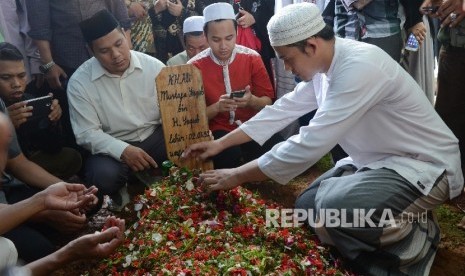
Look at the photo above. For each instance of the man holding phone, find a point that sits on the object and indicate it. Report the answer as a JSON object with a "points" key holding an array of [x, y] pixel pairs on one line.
{"points": [[236, 83], [21, 179], [38, 127]]}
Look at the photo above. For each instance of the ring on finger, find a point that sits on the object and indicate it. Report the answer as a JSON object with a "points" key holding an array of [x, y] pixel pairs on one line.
{"points": [[453, 16]]}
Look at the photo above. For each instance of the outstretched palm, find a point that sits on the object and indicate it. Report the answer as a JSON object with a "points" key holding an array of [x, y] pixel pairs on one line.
{"points": [[66, 196]]}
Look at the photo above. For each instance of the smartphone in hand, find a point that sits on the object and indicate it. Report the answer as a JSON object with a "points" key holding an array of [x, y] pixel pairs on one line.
{"points": [[412, 43], [41, 107], [237, 94]]}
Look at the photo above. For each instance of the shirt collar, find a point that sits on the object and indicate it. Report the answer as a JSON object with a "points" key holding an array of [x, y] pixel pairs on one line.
{"points": [[217, 61], [98, 70], [337, 41]]}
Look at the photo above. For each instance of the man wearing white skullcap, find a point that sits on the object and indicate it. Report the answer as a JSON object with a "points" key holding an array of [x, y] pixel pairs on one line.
{"points": [[194, 40], [404, 161], [227, 67]]}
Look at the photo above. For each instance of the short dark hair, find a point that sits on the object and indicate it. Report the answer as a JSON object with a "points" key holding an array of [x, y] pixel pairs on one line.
{"points": [[205, 26], [327, 33], [199, 33], [9, 52]]}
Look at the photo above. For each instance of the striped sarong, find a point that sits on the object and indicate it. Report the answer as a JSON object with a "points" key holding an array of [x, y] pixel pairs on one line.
{"points": [[389, 226]]}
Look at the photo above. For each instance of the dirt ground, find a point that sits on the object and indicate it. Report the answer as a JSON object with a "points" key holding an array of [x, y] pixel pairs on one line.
{"points": [[450, 259]]}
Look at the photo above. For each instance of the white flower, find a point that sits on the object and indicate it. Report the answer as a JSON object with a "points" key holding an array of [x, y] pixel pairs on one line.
{"points": [[128, 261], [210, 222], [188, 222], [156, 237], [189, 185], [135, 225], [134, 255], [131, 247], [306, 262], [138, 206]]}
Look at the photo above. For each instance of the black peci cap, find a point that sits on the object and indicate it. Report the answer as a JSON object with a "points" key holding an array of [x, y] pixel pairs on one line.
{"points": [[100, 24]]}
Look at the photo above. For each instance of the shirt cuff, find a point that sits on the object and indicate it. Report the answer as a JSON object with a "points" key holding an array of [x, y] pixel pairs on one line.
{"points": [[265, 164], [254, 133], [116, 148], [40, 35]]}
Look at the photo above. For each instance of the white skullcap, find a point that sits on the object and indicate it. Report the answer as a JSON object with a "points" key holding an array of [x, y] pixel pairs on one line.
{"points": [[193, 24], [294, 23], [218, 11]]}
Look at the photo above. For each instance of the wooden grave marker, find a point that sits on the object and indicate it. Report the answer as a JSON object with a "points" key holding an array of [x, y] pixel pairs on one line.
{"points": [[183, 112]]}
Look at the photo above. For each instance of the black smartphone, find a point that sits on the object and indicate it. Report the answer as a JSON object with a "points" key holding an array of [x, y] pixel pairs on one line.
{"points": [[238, 94], [41, 107], [432, 9]]}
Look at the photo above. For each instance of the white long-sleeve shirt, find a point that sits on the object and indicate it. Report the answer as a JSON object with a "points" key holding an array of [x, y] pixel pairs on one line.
{"points": [[107, 110], [370, 106]]}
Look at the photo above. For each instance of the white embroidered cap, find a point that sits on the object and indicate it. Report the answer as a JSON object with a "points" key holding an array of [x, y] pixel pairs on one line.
{"points": [[193, 24], [218, 11], [294, 23]]}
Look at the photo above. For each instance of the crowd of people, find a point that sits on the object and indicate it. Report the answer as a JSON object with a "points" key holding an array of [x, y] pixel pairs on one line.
{"points": [[285, 83]]}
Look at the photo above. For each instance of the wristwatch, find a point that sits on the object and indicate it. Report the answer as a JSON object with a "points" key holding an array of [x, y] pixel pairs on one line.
{"points": [[45, 68]]}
